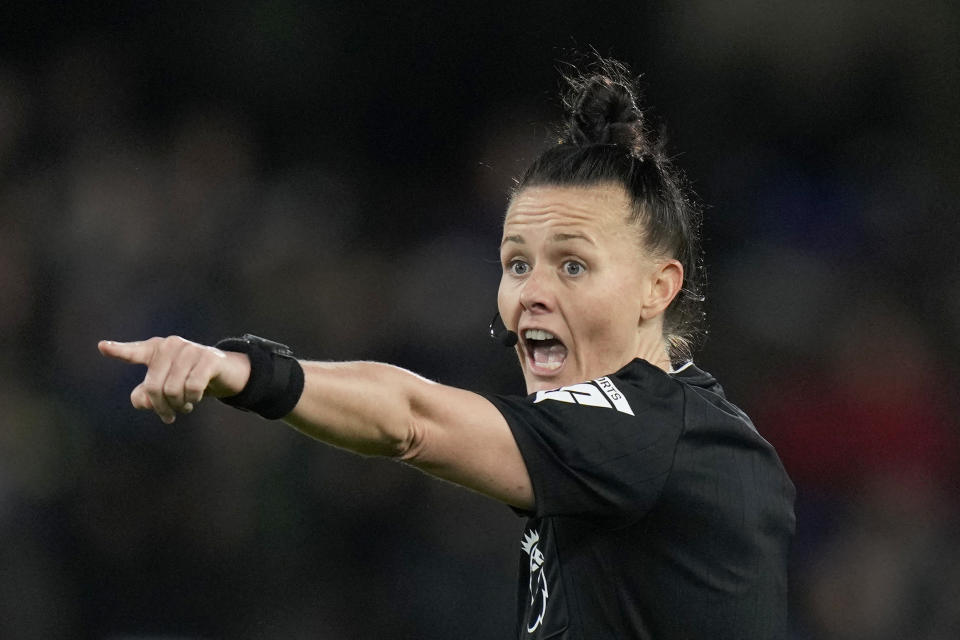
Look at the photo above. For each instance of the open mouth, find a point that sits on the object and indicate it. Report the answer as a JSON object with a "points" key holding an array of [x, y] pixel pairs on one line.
{"points": [[545, 351]]}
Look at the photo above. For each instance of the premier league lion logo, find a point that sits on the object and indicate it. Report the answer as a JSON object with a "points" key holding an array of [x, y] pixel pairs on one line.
{"points": [[537, 582]]}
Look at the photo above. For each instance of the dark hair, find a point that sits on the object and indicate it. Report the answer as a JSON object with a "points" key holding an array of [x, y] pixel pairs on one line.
{"points": [[605, 140]]}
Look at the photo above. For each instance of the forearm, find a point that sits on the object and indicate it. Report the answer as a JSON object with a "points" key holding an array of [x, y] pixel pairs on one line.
{"points": [[365, 407]]}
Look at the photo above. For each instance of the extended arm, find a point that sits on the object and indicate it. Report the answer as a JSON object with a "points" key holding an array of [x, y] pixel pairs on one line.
{"points": [[365, 407]]}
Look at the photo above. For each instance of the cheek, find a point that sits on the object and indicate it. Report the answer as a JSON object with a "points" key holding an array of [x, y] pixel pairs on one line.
{"points": [[608, 322], [505, 300], [596, 321]]}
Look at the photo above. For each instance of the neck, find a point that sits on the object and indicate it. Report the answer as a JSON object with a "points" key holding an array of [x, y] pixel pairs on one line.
{"points": [[662, 360], [654, 349]]}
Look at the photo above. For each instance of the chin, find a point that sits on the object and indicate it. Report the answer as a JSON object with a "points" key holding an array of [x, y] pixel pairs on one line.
{"points": [[536, 382]]}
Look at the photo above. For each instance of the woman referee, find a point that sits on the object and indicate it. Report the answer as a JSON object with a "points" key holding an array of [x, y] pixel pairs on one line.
{"points": [[655, 509]]}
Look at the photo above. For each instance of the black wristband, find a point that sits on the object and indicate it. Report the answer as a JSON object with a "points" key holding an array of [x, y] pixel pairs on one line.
{"points": [[276, 377]]}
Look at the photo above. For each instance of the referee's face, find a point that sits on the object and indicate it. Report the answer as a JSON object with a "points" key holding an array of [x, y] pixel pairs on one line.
{"points": [[578, 287]]}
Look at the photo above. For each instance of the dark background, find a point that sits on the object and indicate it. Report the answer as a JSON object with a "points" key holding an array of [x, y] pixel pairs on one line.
{"points": [[334, 176]]}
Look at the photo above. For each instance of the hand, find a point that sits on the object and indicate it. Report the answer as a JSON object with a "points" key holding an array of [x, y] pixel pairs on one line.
{"points": [[179, 373]]}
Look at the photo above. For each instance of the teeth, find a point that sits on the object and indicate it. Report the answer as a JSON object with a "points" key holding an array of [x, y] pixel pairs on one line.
{"points": [[538, 334]]}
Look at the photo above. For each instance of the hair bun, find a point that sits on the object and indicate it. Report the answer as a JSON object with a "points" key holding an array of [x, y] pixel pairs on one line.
{"points": [[603, 110]]}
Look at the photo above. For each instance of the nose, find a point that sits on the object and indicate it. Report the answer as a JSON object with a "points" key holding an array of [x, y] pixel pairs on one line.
{"points": [[536, 296]]}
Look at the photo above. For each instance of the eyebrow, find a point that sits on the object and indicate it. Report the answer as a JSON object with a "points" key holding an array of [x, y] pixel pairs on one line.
{"points": [[558, 237], [564, 237]]}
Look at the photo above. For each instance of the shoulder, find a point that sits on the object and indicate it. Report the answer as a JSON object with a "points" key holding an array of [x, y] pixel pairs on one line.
{"points": [[626, 391], [600, 447], [707, 406], [721, 443]]}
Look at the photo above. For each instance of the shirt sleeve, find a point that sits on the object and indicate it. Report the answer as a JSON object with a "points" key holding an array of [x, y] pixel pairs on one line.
{"points": [[595, 460]]}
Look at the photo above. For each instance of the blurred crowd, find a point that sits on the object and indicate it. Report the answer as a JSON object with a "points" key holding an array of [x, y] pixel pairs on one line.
{"points": [[334, 178]]}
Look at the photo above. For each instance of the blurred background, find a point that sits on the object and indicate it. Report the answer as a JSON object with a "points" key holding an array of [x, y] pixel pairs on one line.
{"points": [[334, 175]]}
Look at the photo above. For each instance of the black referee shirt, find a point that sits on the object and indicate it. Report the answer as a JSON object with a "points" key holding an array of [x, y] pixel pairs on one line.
{"points": [[660, 512]]}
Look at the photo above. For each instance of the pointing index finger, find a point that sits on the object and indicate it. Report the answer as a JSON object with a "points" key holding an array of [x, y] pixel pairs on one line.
{"points": [[132, 352]]}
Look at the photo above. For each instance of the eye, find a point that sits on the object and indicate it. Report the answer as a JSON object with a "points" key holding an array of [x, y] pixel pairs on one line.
{"points": [[518, 267], [573, 268]]}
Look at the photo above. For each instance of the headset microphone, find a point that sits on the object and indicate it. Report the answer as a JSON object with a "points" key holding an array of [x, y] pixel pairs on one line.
{"points": [[506, 337]]}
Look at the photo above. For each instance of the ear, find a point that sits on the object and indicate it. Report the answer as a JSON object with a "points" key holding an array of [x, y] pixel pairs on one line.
{"points": [[663, 285]]}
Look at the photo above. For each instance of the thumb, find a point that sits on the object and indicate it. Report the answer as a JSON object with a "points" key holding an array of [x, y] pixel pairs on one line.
{"points": [[140, 399], [132, 352]]}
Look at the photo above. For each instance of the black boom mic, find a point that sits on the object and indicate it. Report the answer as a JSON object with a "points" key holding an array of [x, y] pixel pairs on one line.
{"points": [[505, 337]]}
